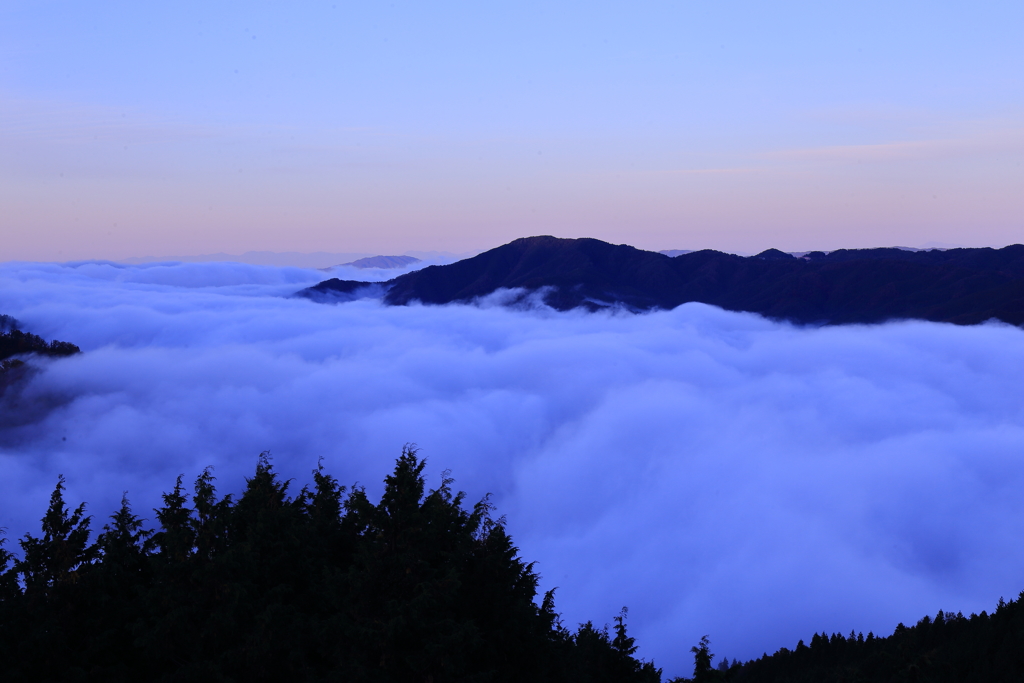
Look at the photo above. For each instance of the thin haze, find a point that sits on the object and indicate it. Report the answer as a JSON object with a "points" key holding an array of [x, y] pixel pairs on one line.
{"points": [[716, 472], [134, 129]]}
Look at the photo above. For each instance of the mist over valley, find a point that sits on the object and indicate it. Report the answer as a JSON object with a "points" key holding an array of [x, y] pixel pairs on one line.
{"points": [[717, 471]]}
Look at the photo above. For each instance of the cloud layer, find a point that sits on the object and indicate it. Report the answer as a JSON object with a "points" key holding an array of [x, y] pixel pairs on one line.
{"points": [[716, 472]]}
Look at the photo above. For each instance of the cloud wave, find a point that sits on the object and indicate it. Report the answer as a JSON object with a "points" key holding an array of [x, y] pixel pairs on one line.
{"points": [[717, 472]]}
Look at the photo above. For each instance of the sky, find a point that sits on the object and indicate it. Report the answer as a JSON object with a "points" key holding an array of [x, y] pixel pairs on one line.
{"points": [[132, 129], [716, 472]]}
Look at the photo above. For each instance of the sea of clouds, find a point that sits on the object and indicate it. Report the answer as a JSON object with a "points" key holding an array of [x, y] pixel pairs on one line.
{"points": [[717, 472]]}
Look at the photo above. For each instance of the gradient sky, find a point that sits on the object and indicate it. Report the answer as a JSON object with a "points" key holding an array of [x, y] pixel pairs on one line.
{"points": [[134, 129]]}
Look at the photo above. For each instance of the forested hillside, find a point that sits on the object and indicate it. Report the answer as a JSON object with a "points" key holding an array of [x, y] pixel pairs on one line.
{"points": [[14, 342], [323, 585], [962, 286], [951, 648], [326, 585]]}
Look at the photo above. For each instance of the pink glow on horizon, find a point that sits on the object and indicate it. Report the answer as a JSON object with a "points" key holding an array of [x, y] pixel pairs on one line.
{"points": [[170, 190], [133, 130]]}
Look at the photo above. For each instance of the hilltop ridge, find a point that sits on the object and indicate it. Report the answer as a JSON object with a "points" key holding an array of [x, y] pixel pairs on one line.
{"points": [[962, 286]]}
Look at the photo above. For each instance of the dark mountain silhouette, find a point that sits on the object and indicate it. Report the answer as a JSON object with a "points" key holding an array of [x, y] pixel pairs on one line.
{"points": [[18, 409], [962, 286], [14, 342], [340, 291]]}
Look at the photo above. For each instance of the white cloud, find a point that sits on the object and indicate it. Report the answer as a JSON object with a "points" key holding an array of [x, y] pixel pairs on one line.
{"points": [[716, 472]]}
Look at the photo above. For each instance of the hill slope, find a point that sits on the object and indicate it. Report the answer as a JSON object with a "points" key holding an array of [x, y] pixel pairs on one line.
{"points": [[963, 286]]}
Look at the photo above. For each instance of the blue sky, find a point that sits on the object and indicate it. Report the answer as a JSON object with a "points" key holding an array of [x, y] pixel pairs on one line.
{"points": [[128, 129]]}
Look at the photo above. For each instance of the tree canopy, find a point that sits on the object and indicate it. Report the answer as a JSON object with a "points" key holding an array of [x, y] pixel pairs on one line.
{"points": [[319, 585], [323, 584]]}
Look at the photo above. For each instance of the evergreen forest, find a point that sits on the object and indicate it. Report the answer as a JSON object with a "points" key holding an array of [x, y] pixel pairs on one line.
{"points": [[15, 342], [322, 584]]}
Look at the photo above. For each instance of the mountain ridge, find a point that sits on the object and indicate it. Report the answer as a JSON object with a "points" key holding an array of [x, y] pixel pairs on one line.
{"points": [[846, 286]]}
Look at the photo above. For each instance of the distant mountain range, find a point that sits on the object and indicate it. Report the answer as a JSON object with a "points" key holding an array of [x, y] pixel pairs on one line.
{"points": [[384, 262], [319, 259], [962, 286]]}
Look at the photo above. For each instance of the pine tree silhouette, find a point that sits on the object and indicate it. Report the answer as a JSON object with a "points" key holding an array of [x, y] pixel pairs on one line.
{"points": [[56, 558]]}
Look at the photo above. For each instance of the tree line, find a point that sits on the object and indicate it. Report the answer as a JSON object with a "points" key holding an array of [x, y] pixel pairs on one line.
{"points": [[323, 585], [949, 648], [15, 342]]}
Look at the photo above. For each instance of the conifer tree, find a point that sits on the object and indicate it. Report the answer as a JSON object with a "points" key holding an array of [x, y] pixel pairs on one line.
{"points": [[176, 537], [324, 502], [56, 558], [209, 516], [622, 643], [702, 657], [124, 545]]}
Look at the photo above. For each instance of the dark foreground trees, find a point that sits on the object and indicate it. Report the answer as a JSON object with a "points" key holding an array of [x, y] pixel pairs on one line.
{"points": [[951, 648], [322, 585]]}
